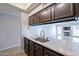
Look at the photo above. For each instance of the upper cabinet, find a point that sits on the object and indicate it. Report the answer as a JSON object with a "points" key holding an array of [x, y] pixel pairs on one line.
{"points": [[56, 12], [45, 15], [64, 10], [36, 18], [77, 9], [31, 19]]}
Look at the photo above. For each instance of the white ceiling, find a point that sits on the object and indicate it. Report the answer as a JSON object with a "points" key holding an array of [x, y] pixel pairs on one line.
{"points": [[23, 6], [27, 7]]}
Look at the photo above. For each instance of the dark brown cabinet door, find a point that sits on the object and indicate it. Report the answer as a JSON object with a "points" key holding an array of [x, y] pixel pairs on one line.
{"points": [[38, 50], [26, 46], [31, 44], [31, 19], [45, 15], [36, 18], [77, 9], [64, 10], [48, 52]]}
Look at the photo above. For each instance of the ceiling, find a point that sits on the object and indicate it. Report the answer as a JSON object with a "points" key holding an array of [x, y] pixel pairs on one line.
{"points": [[27, 7]]}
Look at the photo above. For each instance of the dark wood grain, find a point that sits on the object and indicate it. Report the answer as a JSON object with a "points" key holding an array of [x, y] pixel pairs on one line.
{"points": [[77, 9], [45, 15], [64, 10]]}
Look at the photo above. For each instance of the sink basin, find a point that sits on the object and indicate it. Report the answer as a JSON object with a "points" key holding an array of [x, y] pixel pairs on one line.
{"points": [[42, 40]]}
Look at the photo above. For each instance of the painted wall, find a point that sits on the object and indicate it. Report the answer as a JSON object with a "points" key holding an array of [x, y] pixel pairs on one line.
{"points": [[25, 23], [10, 27]]}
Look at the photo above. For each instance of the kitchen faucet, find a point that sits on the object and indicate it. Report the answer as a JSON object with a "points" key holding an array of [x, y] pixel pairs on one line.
{"points": [[42, 34]]}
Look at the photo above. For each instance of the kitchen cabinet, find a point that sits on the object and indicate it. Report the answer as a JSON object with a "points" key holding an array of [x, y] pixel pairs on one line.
{"points": [[45, 15], [55, 12], [76, 9], [31, 47], [48, 52], [26, 46], [34, 49], [41, 17], [38, 50], [31, 20], [64, 10], [36, 18]]}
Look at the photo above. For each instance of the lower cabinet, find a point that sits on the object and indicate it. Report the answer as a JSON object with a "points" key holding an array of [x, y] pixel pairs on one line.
{"points": [[26, 46], [33, 49], [48, 52], [38, 50]]}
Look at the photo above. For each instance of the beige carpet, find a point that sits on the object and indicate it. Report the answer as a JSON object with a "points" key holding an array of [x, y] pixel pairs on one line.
{"points": [[12, 52]]}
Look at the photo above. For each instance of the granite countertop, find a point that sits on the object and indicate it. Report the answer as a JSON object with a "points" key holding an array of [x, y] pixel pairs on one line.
{"points": [[60, 46]]}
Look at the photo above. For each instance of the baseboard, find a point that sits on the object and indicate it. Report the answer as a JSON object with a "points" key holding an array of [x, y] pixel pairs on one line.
{"points": [[9, 47]]}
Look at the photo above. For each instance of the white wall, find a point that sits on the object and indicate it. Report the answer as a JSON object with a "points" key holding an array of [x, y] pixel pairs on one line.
{"points": [[10, 27], [25, 23]]}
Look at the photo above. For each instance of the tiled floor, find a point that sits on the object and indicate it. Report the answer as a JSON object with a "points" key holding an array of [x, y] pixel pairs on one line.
{"points": [[12, 52]]}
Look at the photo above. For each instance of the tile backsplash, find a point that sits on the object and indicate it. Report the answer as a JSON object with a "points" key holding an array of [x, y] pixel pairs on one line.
{"points": [[55, 30]]}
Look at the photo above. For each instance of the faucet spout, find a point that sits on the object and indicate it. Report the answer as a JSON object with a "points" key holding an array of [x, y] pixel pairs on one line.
{"points": [[42, 34]]}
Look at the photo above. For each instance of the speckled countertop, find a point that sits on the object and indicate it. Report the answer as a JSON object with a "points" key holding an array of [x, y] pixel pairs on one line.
{"points": [[61, 46]]}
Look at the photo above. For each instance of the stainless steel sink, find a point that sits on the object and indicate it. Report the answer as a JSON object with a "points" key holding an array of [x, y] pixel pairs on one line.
{"points": [[42, 40]]}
